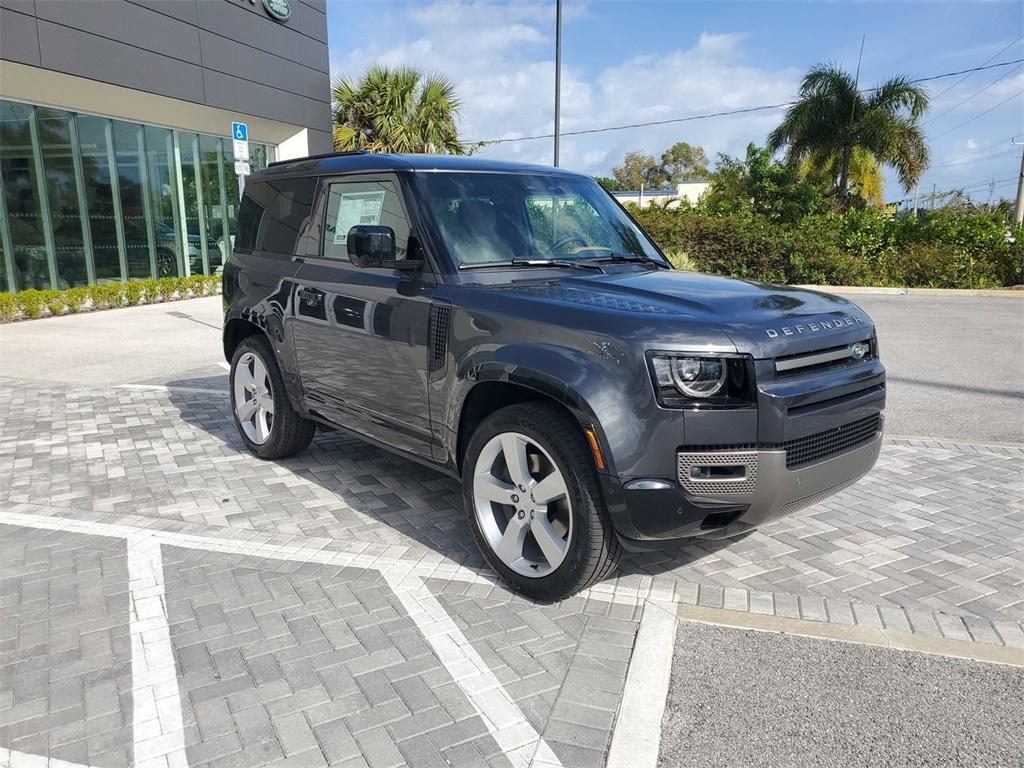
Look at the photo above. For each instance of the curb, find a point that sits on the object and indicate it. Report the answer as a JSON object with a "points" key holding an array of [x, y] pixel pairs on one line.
{"points": [[880, 290]]}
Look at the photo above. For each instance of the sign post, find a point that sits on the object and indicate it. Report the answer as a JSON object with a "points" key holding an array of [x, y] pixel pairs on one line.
{"points": [[240, 141]]}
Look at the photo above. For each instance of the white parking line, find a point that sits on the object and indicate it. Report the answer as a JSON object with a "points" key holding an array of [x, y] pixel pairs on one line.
{"points": [[224, 365], [10, 758], [172, 388], [515, 736], [157, 730], [637, 737]]}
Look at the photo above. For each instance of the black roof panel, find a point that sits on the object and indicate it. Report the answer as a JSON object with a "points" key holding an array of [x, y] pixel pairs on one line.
{"points": [[351, 162]]}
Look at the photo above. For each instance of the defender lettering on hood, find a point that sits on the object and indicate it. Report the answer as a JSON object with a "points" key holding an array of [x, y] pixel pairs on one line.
{"points": [[813, 327]]}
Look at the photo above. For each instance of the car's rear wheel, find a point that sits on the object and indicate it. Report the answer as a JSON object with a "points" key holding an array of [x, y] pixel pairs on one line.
{"points": [[266, 421], [533, 502]]}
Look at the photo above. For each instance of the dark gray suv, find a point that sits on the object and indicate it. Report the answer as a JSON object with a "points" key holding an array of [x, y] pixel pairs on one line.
{"points": [[512, 326]]}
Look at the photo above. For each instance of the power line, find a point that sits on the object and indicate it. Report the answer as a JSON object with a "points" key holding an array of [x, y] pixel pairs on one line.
{"points": [[983, 149], [980, 114], [975, 160], [726, 113], [976, 93], [965, 77]]}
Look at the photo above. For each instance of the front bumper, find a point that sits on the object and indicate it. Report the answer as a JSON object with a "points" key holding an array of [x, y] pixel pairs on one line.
{"points": [[723, 507]]}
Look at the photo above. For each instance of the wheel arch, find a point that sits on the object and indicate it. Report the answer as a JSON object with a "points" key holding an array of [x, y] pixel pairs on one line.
{"points": [[236, 330], [490, 393]]}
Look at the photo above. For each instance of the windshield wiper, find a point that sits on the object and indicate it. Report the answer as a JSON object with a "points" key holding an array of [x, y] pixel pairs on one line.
{"points": [[623, 257], [545, 262]]}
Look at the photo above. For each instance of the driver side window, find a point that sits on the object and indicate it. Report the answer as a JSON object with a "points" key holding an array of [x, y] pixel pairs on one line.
{"points": [[363, 202]]}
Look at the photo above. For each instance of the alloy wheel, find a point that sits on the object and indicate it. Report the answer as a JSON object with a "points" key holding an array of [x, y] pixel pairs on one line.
{"points": [[254, 398], [522, 505]]}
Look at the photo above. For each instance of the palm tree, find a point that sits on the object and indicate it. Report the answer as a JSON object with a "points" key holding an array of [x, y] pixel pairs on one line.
{"points": [[833, 119], [396, 110]]}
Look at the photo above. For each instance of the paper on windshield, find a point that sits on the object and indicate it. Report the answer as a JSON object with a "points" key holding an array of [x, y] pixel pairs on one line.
{"points": [[357, 208]]}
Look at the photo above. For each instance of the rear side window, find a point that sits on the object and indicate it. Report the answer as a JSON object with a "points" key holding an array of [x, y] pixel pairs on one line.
{"points": [[273, 214]]}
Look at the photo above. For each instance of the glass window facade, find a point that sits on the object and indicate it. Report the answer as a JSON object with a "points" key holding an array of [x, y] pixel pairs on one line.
{"points": [[90, 199]]}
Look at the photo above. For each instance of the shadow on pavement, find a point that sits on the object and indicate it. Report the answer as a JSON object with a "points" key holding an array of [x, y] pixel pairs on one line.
{"points": [[411, 499]]}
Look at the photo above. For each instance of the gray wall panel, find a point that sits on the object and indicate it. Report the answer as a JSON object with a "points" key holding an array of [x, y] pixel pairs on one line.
{"points": [[80, 53], [227, 54], [239, 95], [186, 10], [126, 22], [319, 142], [236, 22], [305, 19], [18, 38], [233, 58]]}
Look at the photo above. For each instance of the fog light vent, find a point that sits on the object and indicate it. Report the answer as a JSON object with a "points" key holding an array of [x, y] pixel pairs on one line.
{"points": [[721, 473]]}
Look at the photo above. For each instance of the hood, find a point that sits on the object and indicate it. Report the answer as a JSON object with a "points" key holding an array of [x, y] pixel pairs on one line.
{"points": [[762, 320]]}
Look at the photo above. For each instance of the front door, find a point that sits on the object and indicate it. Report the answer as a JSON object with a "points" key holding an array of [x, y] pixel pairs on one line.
{"points": [[361, 335]]}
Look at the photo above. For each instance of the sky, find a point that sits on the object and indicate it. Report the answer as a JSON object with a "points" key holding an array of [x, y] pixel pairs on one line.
{"points": [[639, 61]]}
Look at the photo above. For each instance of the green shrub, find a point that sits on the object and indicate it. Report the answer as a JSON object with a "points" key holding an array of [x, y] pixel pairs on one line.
{"points": [[106, 295], [134, 292], [53, 301], [75, 298], [182, 286], [31, 302], [680, 259], [8, 307], [163, 289]]}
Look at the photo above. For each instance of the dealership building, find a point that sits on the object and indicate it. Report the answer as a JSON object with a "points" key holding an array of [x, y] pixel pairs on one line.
{"points": [[116, 148]]}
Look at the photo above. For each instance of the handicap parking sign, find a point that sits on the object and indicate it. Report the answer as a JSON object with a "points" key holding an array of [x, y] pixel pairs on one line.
{"points": [[240, 131]]}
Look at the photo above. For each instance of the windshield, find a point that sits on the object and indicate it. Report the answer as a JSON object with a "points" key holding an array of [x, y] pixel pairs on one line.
{"points": [[504, 217]]}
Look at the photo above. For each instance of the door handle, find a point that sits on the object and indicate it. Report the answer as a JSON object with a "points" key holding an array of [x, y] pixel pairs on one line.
{"points": [[310, 295]]}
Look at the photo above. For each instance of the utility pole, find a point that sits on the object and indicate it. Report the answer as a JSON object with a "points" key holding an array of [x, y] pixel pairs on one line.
{"points": [[558, 74], [917, 195], [1018, 212]]}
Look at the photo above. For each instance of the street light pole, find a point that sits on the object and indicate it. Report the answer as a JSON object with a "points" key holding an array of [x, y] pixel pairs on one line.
{"points": [[1018, 212], [558, 73]]}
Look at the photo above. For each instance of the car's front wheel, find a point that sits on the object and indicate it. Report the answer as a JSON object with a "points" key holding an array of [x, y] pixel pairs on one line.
{"points": [[533, 503], [266, 421]]}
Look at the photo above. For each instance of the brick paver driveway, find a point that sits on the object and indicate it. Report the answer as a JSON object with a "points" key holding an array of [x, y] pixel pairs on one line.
{"points": [[166, 599]]}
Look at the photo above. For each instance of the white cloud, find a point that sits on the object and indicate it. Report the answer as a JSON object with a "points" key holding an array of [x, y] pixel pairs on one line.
{"points": [[501, 59]]}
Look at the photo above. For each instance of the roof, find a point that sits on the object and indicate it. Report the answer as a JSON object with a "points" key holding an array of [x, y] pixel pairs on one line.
{"points": [[348, 162]]}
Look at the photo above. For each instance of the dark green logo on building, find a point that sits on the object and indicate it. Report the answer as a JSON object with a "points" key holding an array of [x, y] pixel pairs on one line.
{"points": [[279, 9]]}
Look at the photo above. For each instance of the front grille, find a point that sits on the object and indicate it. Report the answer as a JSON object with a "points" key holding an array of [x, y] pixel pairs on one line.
{"points": [[822, 359], [822, 445]]}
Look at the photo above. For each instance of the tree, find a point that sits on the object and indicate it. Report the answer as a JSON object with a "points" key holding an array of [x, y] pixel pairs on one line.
{"points": [[761, 185], [867, 185], [396, 110], [832, 119], [638, 168], [610, 184], [683, 162]]}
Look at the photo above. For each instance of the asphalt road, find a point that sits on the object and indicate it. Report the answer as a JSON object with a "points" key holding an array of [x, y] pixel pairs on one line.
{"points": [[747, 698], [956, 364]]}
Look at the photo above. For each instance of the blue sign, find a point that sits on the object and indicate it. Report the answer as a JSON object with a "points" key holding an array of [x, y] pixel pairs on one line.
{"points": [[240, 131]]}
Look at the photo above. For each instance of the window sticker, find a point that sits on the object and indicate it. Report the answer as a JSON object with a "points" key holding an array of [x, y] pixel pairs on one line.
{"points": [[357, 208]]}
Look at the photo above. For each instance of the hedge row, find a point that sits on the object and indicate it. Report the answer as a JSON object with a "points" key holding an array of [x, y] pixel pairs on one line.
{"points": [[30, 304], [943, 249]]}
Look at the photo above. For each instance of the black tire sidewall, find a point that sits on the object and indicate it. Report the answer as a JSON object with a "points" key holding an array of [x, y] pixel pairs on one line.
{"points": [[528, 420], [258, 346]]}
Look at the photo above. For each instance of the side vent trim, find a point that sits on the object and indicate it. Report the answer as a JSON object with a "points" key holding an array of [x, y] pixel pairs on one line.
{"points": [[440, 326]]}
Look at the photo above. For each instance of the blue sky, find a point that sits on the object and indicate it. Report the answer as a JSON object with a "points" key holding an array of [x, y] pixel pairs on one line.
{"points": [[627, 62]]}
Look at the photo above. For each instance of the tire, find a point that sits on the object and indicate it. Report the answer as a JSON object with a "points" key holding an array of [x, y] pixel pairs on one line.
{"points": [[166, 263], [285, 432], [590, 547]]}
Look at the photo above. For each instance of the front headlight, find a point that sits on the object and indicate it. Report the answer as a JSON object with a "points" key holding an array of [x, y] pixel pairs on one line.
{"points": [[682, 380]]}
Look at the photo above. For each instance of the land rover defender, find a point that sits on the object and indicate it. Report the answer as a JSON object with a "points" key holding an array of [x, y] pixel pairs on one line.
{"points": [[513, 327]]}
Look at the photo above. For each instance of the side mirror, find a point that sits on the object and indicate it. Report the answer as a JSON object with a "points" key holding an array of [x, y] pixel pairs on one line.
{"points": [[371, 245]]}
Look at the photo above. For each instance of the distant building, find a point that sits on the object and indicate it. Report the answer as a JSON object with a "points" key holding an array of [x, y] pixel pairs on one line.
{"points": [[116, 155], [691, 191]]}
